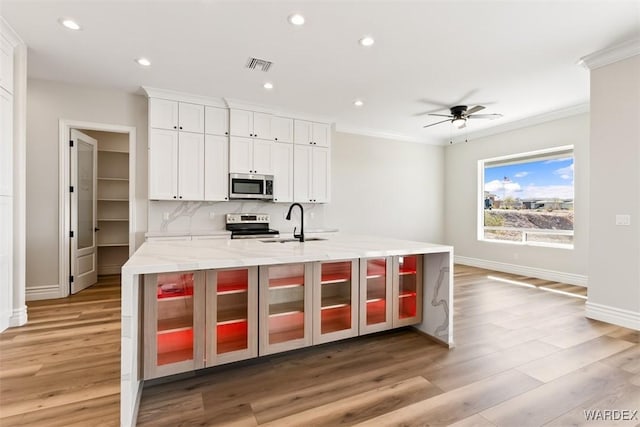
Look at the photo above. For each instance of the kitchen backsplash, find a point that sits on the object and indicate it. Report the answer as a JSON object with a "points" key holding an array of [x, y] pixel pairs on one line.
{"points": [[190, 217]]}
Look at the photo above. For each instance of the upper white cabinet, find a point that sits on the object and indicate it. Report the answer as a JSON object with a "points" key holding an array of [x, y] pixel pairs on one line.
{"points": [[311, 174], [282, 129], [183, 116], [176, 165], [250, 155], [216, 167], [312, 133], [216, 121], [282, 162], [250, 124], [6, 65]]}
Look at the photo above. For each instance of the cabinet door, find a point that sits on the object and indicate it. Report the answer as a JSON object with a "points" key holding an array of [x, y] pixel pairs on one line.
{"points": [[282, 172], [285, 307], [216, 121], [173, 323], [335, 301], [163, 114], [163, 164], [302, 165], [282, 129], [240, 155], [407, 290], [241, 123], [191, 117], [231, 315], [302, 132], [6, 144], [321, 175], [321, 134], [6, 65], [262, 126], [190, 166], [262, 156], [376, 294], [216, 168]]}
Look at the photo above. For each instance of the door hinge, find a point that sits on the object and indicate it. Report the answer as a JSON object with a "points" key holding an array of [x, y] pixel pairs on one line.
{"points": [[71, 234], [70, 279], [71, 189], [71, 143]]}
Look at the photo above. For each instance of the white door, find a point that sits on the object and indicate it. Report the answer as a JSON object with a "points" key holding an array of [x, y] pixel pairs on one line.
{"points": [[216, 121], [190, 166], [240, 155], [163, 164], [241, 123], [302, 132], [302, 164], [84, 162], [262, 126], [262, 156], [282, 129], [191, 117], [321, 176], [321, 134], [163, 114], [282, 172], [216, 168]]}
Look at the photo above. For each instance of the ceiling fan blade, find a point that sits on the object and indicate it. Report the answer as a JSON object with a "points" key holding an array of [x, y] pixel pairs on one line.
{"points": [[465, 97], [441, 115], [484, 116], [474, 109], [436, 123]]}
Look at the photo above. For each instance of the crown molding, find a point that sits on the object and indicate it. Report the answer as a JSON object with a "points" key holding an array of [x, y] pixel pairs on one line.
{"points": [[237, 104], [173, 95], [610, 55], [526, 122], [378, 133]]}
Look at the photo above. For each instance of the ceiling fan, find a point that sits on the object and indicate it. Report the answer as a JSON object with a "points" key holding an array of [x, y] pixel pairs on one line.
{"points": [[460, 114]]}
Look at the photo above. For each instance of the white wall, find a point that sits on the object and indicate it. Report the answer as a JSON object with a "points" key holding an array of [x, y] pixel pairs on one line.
{"points": [[614, 257], [461, 199], [379, 186], [47, 103]]}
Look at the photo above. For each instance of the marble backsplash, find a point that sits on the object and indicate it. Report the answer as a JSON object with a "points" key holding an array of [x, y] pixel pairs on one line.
{"points": [[188, 217]]}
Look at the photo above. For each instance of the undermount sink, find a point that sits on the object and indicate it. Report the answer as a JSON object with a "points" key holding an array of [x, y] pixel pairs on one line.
{"points": [[290, 239]]}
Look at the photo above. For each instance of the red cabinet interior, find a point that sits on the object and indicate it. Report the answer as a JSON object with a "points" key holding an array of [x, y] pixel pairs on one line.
{"points": [[174, 292], [232, 333], [376, 283], [407, 287]]}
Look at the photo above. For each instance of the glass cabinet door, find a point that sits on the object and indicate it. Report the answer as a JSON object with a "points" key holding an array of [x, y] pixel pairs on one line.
{"points": [[375, 294], [408, 294], [231, 318], [335, 293], [284, 307], [171, 331]]}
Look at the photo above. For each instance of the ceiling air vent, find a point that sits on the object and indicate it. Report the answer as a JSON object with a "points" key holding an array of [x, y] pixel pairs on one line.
{"points": [[259, 64]]}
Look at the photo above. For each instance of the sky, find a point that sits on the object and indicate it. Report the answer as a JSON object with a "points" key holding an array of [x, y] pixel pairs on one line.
{"points": [[542, 179]]}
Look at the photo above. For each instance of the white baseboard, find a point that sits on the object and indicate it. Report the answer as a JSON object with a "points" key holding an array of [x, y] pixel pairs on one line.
{"points": [[19, 317], [617, 316], [540, 273], [109, 269], [34, 293]]}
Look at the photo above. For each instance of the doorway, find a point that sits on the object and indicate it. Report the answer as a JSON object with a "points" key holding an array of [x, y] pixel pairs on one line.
{"points": [[97, 202]]}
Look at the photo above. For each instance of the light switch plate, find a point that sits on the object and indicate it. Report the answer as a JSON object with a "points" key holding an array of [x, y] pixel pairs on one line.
{"points": [[623, 219]]}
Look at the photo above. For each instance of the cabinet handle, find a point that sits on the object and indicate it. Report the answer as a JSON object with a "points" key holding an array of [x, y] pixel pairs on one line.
{"points": [[255, 134], [175, 127], [181, 197], [276, 139], [225, 198], [175, 197], [226, 133], [180, 127]]}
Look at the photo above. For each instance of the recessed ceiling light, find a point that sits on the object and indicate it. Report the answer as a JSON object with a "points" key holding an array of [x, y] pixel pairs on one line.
{"points": [[367, 41], [296, 19], [69, 23], [358, 103], [144, 62], [268, 85]]}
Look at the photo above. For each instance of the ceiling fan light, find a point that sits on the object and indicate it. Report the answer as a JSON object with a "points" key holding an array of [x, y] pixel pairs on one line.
{"points": [[458, 122]]}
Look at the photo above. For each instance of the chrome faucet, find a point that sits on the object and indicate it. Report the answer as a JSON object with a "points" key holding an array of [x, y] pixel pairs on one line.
{"points": [[301, 235]]}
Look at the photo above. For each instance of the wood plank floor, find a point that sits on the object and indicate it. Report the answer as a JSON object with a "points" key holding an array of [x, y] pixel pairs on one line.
{"points": [[524, 355]]}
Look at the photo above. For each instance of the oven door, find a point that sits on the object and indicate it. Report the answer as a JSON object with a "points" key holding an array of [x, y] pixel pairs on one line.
{"points": [[248, 186]]}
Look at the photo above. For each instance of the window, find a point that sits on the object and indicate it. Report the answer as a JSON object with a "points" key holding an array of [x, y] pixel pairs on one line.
{"points": [[528, 198]]}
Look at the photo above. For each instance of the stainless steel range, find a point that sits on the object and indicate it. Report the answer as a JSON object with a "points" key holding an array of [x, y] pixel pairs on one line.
{"points": [[250, 226]]}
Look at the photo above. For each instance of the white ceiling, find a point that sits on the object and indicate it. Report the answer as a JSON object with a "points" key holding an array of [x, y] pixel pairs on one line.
{"points": [[518, 58]]}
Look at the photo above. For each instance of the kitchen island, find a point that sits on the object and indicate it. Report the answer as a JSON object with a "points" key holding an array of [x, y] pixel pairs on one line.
{"points": [[434, 270]]}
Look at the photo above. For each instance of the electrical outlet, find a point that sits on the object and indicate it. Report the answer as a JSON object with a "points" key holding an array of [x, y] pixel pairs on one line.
{"points": [[623, 219], [165, 216]]}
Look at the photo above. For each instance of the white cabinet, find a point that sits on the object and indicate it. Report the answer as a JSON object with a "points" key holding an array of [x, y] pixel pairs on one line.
{"points": [[282, 158], [216, 121], [312, 174], [176, 165], [6, 65], [282, 129], [6, 144], [250, 155], [216, 167], [250, 124], [184, 116], [312, 133]]}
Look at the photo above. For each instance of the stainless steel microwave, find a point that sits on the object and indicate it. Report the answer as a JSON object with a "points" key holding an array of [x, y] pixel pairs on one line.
{"points": [[250, 186]]}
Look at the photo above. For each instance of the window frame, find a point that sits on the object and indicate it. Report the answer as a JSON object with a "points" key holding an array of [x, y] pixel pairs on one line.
{"points": [[480, 195]]}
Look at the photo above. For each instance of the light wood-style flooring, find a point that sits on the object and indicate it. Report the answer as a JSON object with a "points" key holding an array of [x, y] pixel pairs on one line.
{"points": [[524, 356]]}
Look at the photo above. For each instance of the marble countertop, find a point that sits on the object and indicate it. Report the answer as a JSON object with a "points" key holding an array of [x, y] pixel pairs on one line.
{"points": [[157, 257], [187, 233]]}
